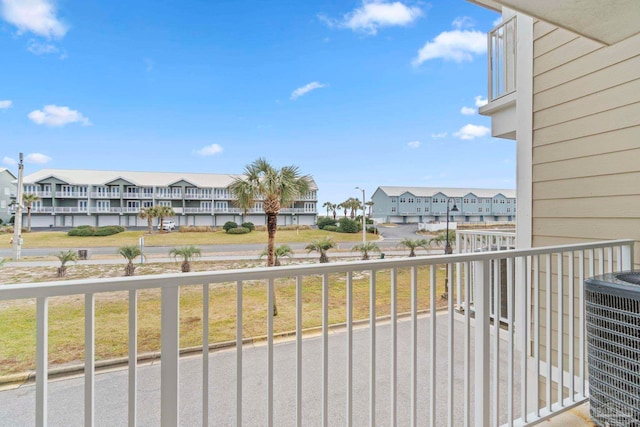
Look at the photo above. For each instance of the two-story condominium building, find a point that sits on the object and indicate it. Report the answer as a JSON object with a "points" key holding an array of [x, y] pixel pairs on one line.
{"points": [[7, 191], [69, 198], [424, 204]]}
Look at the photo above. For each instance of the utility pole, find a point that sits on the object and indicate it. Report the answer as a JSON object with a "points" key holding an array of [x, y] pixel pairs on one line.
{"points": [[17, 222]]}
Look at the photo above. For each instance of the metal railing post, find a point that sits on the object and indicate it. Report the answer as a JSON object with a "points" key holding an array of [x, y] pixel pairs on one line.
{"points": [[482, 339]]}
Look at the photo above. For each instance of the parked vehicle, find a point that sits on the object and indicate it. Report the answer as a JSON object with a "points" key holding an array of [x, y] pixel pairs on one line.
{"points": [[167, 226]]}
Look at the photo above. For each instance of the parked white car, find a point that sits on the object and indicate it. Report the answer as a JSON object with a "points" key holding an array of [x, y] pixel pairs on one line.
{"points": [[167, 226]]}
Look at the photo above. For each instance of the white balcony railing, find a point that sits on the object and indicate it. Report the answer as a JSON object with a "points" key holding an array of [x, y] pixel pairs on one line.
{"points": [[502, 59], [440, 367], [107, 195]]}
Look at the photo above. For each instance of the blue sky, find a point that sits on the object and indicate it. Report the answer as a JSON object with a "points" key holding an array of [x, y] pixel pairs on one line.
{"points": [[355, 93]]}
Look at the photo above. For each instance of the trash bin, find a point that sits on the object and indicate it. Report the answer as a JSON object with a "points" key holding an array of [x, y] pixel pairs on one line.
{"points": [[613, 347], [83, 253], [381, 255]]}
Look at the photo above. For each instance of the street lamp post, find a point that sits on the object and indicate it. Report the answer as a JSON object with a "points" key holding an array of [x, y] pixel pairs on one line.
{"points": [[364, 226], [447, 248]]}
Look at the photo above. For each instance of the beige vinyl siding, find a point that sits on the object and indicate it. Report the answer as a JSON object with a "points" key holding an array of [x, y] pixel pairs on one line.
{"points": [[586, 138]]}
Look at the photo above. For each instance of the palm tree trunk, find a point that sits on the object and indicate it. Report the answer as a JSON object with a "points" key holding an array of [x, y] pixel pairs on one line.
{"points": [[272, 227], [29, 218], [129, 269], [150, 224]]}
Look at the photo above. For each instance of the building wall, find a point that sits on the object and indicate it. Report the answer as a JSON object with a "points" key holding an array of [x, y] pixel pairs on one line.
{"points": [[7, 188], [410, 208], [586, 138]]}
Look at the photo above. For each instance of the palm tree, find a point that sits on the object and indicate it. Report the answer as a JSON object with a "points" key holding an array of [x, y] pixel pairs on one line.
{"points": [[342, 206], [327, 205], [441, 238], [365, 248], [187, 253], [279, 252], [65, 257], [162, 212], [321, 246], [333, 209], [149, 213], [353, 205], [277, 188], [130, 253], [28, 200], [413, 244]]}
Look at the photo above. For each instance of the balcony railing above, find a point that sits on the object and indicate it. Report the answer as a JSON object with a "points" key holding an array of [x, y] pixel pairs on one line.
{"points": [[502, 59]]}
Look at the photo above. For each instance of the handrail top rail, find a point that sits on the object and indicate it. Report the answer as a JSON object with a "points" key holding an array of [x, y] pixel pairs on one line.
{"points": [[169, 280], [487, 233]]}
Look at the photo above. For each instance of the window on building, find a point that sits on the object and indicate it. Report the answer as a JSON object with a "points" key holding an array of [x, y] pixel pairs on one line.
{"points": [[164, 203], [394, 200], [82, 205], [103, 205], [410, 200], [6, 191], [508, 209], [309, 207], [222, 206], [426, 209], [418, 210], [147, 203], [3, 204], [393, 209], [205, 206], [403, 200]]}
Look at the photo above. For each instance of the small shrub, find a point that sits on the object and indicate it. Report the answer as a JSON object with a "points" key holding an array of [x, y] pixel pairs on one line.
{"points": [[248, 225], [108, 230], [330, 228], [238, 230], [82, 231], [324, 221], [229, 225], [372, 230], [347, 225]]}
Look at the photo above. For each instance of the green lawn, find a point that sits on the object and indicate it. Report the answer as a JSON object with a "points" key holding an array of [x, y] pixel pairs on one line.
{"points": [[59, 239], [66, 315]]}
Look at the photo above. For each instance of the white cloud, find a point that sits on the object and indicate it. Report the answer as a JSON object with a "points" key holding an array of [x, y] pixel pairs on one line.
{"points": [[5, 104], [414, 144], [467, 111], [375, 14], [472, 131], [9, 161], [301, 91], [463, 22], [456, 45], [480, 101], [497, 21], [37, 158], [41, 48], [210, 150], [439, 135], [53, 115], [35, 16]]}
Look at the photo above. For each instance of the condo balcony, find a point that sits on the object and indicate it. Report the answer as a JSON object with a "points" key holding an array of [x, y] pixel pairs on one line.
{"points": [[486, 337], [502, 84]]}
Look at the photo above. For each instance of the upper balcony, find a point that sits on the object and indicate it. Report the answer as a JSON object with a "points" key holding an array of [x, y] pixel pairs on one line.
{"points": [[502, 71], [397, 341]]}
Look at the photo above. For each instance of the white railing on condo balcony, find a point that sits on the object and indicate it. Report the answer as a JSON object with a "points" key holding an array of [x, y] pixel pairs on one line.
{"points": [[502, 59], [439, 367], [105, 195]]}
